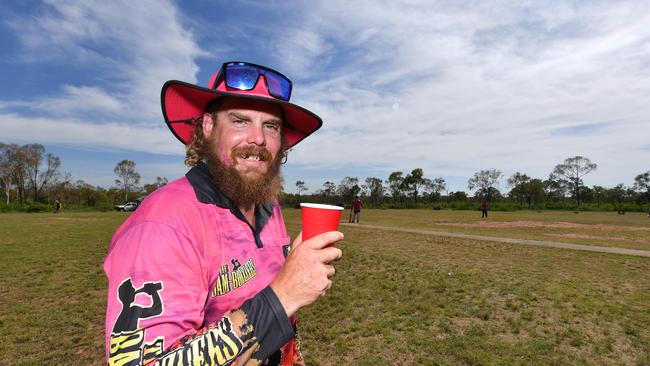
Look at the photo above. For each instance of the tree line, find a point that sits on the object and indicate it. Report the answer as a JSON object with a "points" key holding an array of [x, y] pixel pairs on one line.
{"points": [[563, 189], [31, 177], [31, 180]]}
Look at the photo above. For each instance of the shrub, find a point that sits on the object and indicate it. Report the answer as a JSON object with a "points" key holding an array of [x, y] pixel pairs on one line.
{"points": [[36, 207]]}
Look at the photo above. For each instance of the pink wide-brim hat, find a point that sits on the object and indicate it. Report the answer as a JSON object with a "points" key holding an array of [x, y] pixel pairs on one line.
{"points": [[183, 106]]}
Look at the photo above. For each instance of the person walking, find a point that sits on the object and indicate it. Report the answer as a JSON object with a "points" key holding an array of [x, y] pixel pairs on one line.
{"points": [[356, 209]]}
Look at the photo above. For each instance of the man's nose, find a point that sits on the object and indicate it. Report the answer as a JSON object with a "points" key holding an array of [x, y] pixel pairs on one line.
{"points": [[256, 135]]}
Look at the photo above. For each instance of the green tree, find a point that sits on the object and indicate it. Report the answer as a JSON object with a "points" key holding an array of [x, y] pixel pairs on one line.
{"points": [[458, 196], [375, 189], [348, 188], [435, 187], [160, 181], [128, 177], [554, 189], [396, 185], [415, 182], [620, 194], [300, 186], [6, 169], [328, 191], [599, 193], [534, 191], [642, 185], [15, 170], [571, 171], [517, 183], [484, 182]]}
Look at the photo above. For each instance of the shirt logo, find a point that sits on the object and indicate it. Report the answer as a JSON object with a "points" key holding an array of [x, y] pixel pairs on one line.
{"points": [[232, 280], [127, 346]]}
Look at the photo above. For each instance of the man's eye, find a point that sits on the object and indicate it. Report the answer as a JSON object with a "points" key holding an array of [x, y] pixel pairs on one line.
{"points": [[273, 126]]}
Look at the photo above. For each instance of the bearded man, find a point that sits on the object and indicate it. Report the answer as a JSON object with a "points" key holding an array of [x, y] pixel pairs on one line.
{"points": [[202, 273]]}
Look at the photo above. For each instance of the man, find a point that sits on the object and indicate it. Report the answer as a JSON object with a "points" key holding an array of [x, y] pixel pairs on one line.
{"points": [[201, 273], [356, 209], [484, 209]]}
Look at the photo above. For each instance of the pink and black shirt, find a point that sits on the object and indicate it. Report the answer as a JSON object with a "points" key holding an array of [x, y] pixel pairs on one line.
{"points": [[188, 280]]}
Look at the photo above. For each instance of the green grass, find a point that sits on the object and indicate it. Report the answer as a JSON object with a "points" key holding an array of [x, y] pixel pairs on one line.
{"points": [[52, 287], [397, 298]]}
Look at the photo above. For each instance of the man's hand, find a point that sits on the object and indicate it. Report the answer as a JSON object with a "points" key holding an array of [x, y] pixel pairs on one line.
{"points": [[306, 273]]}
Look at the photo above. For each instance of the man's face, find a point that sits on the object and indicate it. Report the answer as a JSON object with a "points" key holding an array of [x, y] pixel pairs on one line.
{"points": [[246, 135], [243, 145]]}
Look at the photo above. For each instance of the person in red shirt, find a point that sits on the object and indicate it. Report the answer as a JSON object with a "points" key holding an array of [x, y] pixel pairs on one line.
{"points": [[484, 209], [356, 209]]}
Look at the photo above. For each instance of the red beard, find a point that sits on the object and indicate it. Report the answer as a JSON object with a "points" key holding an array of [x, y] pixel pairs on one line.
{"points": [[245, 191]]}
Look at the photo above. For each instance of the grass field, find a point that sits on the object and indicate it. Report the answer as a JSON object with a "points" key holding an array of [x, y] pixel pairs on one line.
{"points": [[398, 299], [631, 230]]}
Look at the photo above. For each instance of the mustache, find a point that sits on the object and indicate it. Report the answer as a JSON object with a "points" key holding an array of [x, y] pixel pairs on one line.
{"points": [[246, 151]]}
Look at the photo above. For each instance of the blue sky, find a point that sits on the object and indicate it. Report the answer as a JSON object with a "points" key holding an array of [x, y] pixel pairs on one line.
{"points": [[450, 87]]}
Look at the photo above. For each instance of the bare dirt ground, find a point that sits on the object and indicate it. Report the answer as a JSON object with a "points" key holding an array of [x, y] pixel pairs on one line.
{"points": [[542, 224], [541, 243], [598, 237]]}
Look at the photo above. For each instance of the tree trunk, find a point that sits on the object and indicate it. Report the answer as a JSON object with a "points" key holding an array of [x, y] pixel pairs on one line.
{"points": [[7, 182]]}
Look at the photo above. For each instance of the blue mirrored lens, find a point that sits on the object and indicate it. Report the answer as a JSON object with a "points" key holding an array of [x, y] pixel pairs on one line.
{"points": [[279, 86], [242, 77]]}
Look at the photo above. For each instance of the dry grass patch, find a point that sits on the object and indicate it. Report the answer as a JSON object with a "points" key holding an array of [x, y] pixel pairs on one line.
{"points": [[451, 301], [592, 228], [398, 298]]}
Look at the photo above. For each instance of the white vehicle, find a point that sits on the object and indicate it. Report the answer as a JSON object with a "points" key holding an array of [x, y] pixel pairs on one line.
{"points": [[129, 206]]}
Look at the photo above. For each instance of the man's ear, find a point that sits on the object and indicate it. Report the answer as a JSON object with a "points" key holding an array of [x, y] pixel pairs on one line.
{"points": [[208, 123]]}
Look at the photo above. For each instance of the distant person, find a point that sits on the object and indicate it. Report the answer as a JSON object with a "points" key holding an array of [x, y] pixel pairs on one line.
{"points": [[57, 206], [356, 209], [203, 272], [484, 209]]}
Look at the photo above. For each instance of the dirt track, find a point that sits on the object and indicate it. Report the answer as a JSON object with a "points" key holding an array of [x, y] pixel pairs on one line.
{"points": [[539, 243]]}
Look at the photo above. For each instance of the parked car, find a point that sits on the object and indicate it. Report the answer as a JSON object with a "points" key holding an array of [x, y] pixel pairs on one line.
{"points": [[129, 206]]}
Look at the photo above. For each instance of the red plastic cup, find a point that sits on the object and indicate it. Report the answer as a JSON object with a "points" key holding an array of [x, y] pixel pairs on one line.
{"points": [[318, 219]]}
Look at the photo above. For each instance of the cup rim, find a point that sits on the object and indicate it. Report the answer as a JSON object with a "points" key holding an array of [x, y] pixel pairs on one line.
{"points": [[321, 206]]}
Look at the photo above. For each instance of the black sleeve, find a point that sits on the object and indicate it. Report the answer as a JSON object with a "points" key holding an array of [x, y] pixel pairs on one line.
{"points": [[255, 331], [271, 326]]}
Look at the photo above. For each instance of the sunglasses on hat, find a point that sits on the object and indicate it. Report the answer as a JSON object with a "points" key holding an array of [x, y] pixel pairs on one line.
{"points": [[244, 76]]}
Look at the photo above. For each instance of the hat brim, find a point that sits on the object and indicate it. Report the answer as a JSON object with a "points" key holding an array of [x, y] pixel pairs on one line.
{"points": [[182, 103]]}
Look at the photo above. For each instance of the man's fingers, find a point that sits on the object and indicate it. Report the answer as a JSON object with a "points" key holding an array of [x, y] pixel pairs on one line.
{"points": [[331, 271], [322, 240], [327, 287], [330, 254]]}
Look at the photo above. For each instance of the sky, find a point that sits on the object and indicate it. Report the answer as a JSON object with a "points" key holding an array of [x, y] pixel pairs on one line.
{"points": [[452, 87]]}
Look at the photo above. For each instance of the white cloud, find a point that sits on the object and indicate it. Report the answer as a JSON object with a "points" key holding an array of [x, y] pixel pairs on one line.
{"points": [[131, 48], [104, 136], [452, 87], [482, 86], [76, 99]]}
